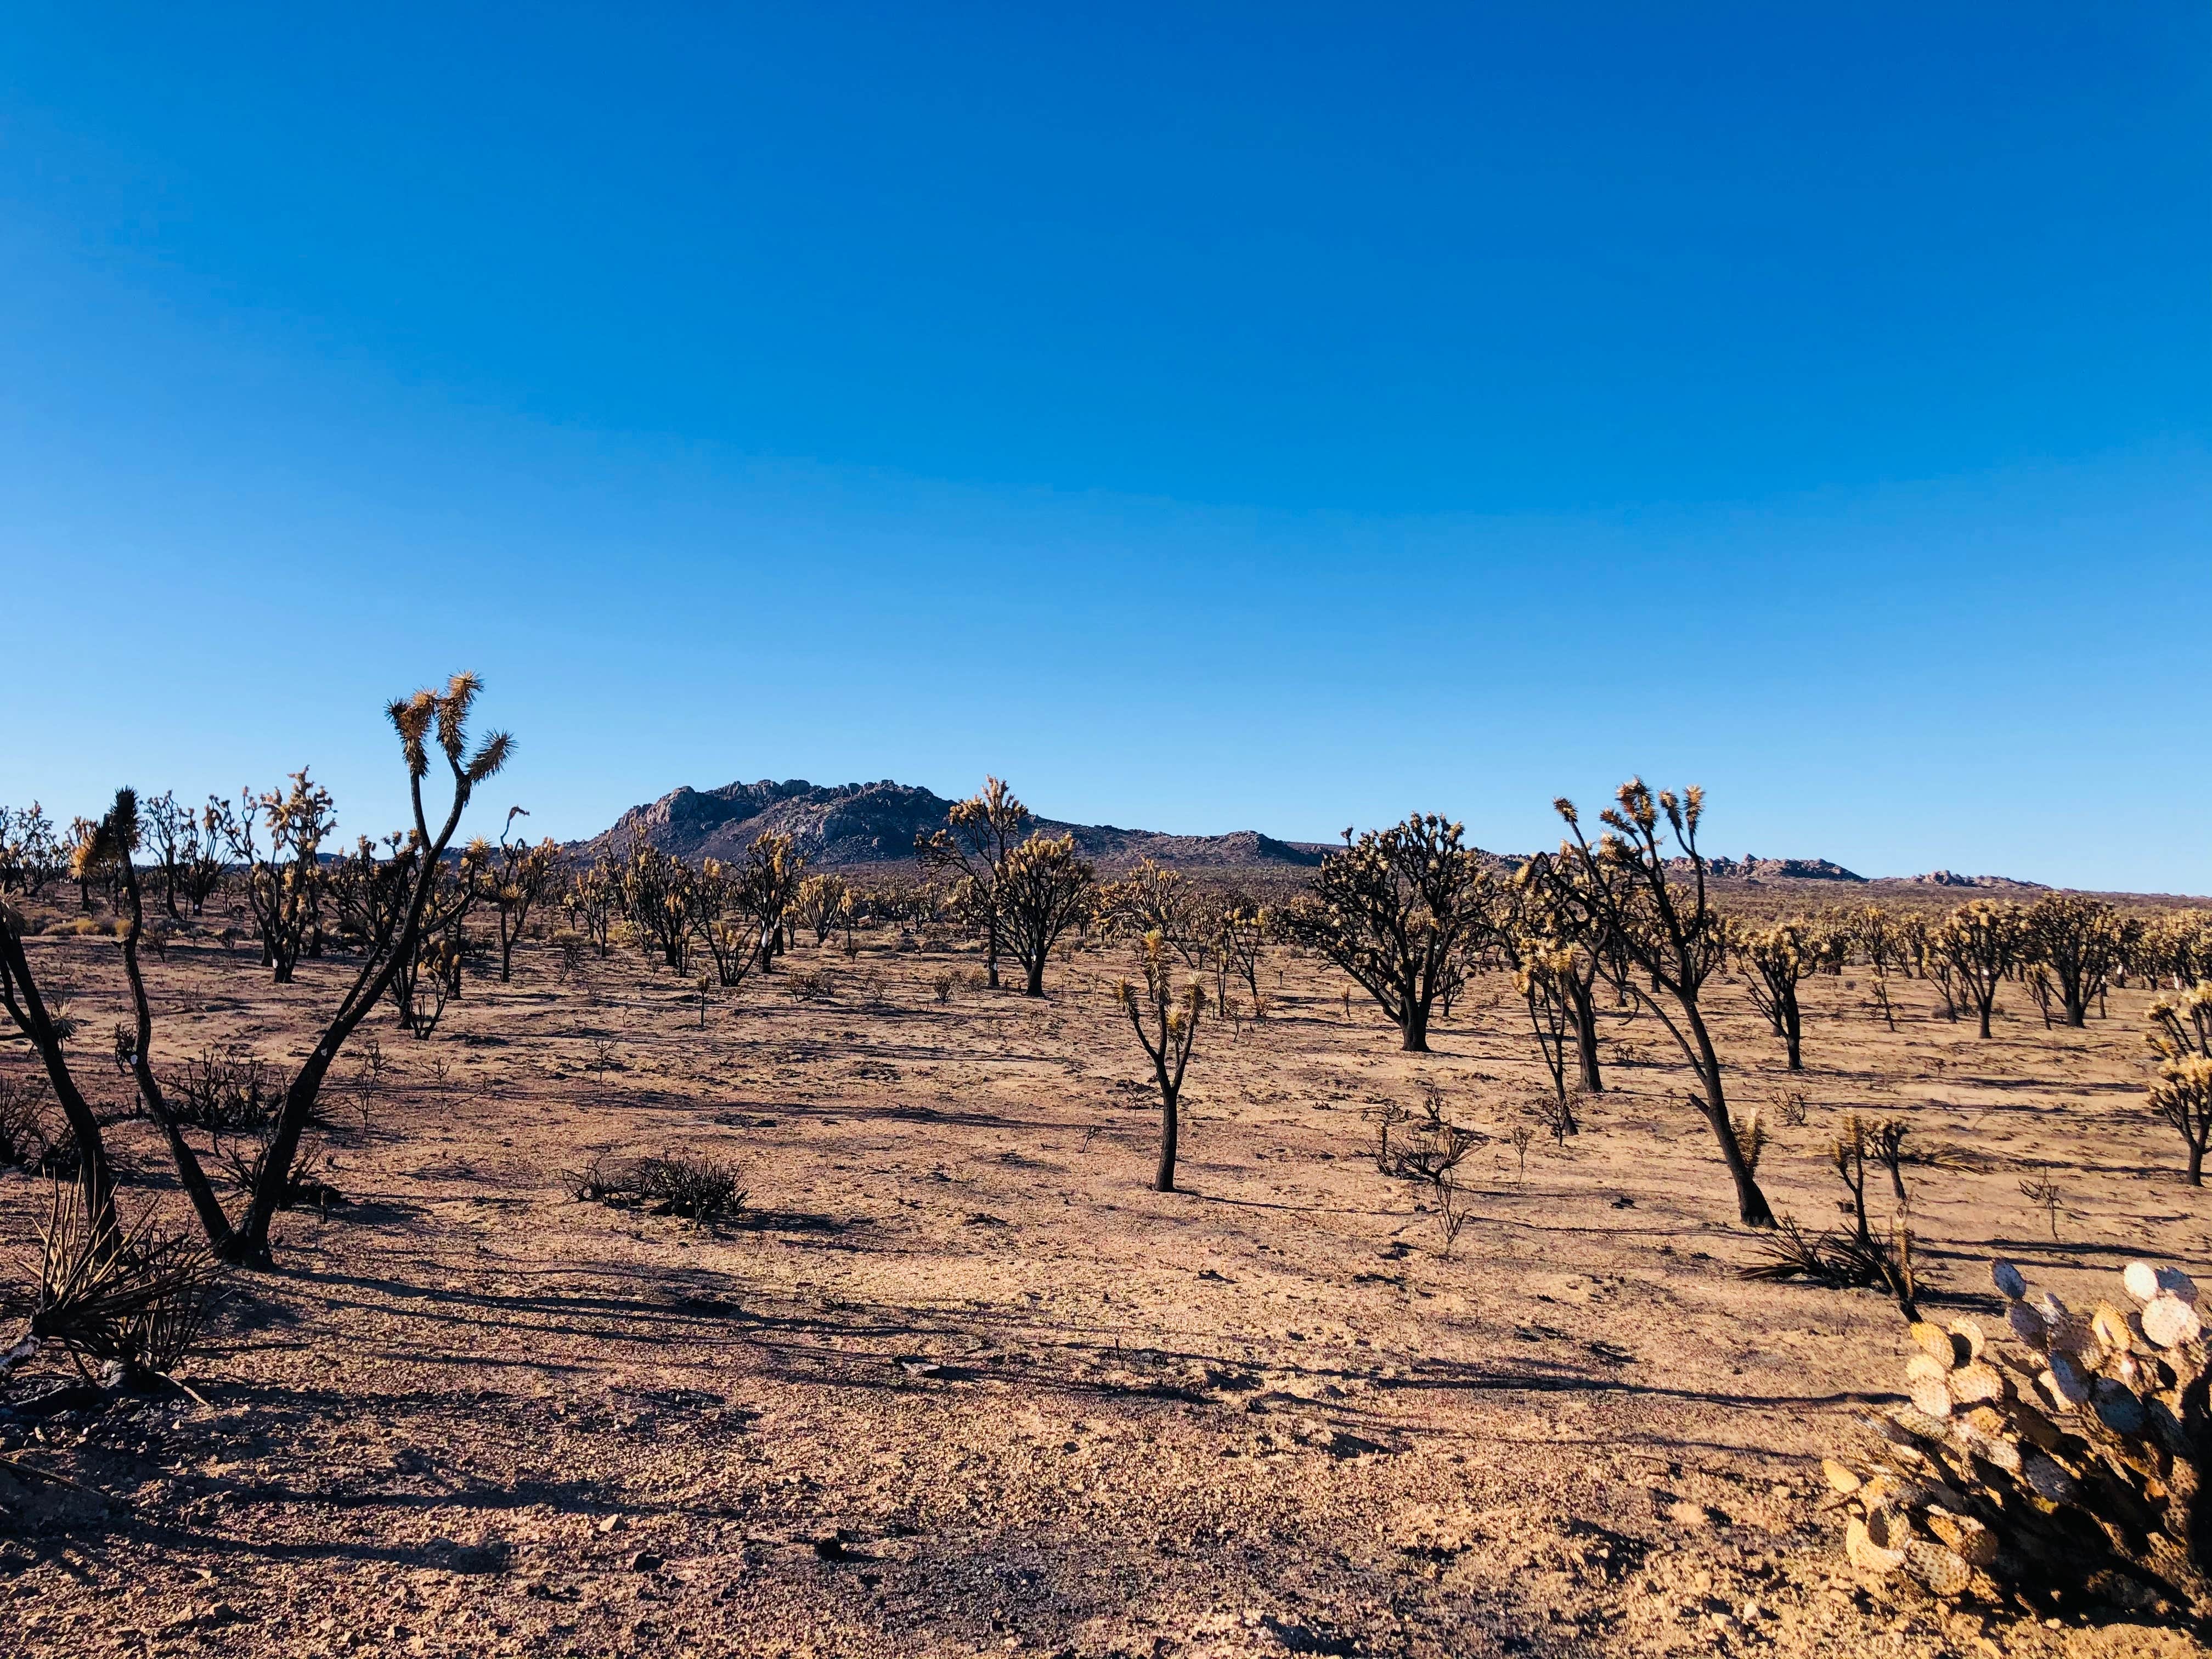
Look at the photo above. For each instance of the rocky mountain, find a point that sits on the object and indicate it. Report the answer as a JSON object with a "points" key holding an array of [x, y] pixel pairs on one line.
{"points": [[849, 825], [863, 824], [1750, 867]]}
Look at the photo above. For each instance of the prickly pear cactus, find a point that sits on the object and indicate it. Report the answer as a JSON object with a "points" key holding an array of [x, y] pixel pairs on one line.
{"points": [[2058, 1464]]}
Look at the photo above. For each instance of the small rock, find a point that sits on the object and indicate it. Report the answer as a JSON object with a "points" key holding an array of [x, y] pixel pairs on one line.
{"points": [[646, 1561]]}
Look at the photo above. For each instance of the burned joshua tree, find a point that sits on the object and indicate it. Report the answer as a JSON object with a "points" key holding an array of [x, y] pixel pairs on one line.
{"points": [[980, 836], [1778, 959], [1398, 910], [1166, 1023], [1044, 890], [2181, 1094], [1659, 938]]}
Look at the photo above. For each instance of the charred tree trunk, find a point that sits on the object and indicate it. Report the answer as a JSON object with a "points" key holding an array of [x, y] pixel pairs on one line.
{"points": [[1751, 1206], [1582, 1006]]}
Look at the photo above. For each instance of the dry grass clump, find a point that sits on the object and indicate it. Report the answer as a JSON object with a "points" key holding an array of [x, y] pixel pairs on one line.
{"points": [[2060, 1471], [703, 1189]]}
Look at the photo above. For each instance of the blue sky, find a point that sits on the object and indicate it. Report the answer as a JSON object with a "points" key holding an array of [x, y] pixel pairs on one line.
{"points": [[1279, 417]]}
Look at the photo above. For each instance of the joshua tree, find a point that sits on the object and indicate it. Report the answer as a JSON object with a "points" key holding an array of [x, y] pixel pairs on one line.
{"points": [[1556, 973], [1238, 929], [1043, 889], [167, 824], [428, 716], [1778, 959], [514, 878], [1397, 910], [767, 886], [594, 899], [1848, 1153], [1915, 947], [733, 946], [1540, 974], [1661, 938], [370, 890], [2174, 950], [2181, 1037], [1877, 933], [820, 905], [1151, 899], [1887, 1141], [980, 836], [661, 897], [1979, 942], [2082, 942], [1166, 1023], [38, 1018], [31, 854], [284, 889]]}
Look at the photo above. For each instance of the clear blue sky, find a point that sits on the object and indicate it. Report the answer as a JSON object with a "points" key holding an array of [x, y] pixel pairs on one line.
{"points": [[1207, 417]]}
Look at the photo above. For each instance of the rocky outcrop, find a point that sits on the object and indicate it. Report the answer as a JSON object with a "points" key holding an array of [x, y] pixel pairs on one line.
{"points": [[1951, 879], [863, 823]]}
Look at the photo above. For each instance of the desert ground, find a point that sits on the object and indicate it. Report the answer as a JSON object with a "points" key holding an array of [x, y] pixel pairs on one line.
{"points": [[958, 1380]]}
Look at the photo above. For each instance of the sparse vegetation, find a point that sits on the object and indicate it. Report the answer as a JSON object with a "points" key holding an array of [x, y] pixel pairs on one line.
{"points": [[945, 1143]]}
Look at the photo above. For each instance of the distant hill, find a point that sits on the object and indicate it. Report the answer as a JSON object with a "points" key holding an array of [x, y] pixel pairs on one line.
{"points": [[1951, 879], [863, 823], [857, 825]]}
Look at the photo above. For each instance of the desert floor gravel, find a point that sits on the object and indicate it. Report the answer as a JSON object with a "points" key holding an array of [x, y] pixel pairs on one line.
{"points": [[958, 1380]]}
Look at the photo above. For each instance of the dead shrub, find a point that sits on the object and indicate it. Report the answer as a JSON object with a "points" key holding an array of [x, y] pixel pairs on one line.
{"points": [[226, 1091], [1857, 1259], [941, 983], [816, 985], [1430, 1152], [1558, 1114], [235, 1095], [700, 1188]]}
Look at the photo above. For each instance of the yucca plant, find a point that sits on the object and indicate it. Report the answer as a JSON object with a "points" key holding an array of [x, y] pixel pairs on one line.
{"points": [[138, 1299]]}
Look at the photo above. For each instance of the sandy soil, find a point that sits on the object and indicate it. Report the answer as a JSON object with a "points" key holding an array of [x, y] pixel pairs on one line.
{"points": [[960, 1383]]}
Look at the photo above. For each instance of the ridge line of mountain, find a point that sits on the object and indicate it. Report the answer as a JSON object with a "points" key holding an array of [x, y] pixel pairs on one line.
{"points": [[857, 825]]}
